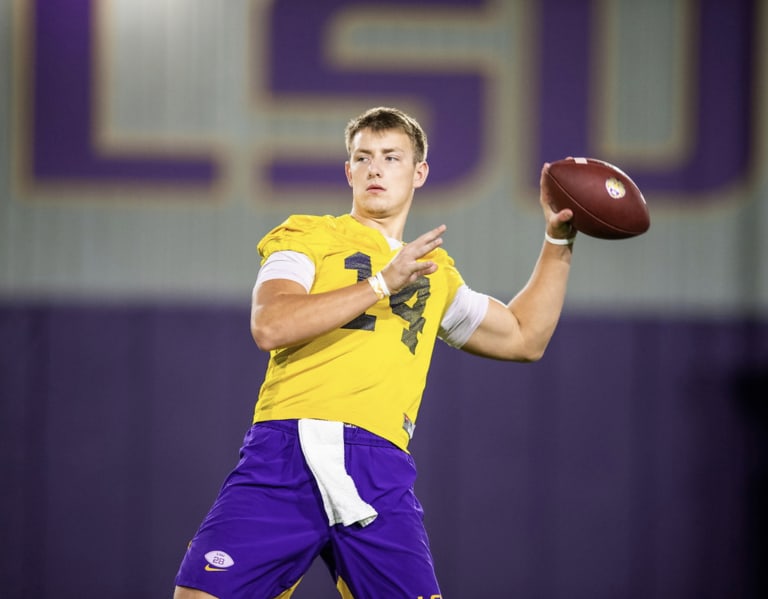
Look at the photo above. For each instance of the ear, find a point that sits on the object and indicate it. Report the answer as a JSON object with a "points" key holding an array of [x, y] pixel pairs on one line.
{"points": [[348, 172], [420, 174]]}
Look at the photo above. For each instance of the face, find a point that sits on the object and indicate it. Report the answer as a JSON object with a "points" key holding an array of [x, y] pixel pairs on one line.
{"points": [[382, 173]]}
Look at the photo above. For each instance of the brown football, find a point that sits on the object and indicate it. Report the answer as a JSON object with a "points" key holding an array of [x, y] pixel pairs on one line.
{"points": [[605, 202]]}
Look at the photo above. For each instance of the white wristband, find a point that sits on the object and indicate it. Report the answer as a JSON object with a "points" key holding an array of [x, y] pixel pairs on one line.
{"points": [[558, 240], [379, 285], [380, 277]]}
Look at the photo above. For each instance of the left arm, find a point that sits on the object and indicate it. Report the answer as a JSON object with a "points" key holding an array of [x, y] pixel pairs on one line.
{"points": [[521, 329]]}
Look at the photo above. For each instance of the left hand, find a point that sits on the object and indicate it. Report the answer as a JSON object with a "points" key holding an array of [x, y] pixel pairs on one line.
{"points": [[558, 223]]}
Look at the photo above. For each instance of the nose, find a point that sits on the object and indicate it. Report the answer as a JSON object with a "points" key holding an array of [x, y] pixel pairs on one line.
{"points": [[374, 169]]}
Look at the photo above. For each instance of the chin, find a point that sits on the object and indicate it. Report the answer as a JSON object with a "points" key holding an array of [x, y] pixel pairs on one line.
{"points": [[378, 211], [377, 207]]}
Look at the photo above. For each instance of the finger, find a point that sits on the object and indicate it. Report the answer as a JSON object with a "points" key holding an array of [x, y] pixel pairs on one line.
{"points": [[560, 222], [421, 269], [544, 171], [429, 268], [430, 236], [427, 242], [565, 215], [423, 265], [439, 230]]}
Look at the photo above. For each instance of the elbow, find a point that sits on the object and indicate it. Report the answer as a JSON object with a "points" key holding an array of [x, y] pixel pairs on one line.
{"points": [[533, 347], [535, 351], [261, 340], [529, 354], [264, 336], [523, 357], [516, 354], [533, 356]]}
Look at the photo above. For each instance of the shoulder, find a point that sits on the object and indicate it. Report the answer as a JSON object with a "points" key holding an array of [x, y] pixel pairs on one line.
{"points": [[303, 233], [441, 257], [302, 224], [447, 272]]}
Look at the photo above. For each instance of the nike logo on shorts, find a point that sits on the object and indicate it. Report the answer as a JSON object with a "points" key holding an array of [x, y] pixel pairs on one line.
{"points": [[209, 568]]}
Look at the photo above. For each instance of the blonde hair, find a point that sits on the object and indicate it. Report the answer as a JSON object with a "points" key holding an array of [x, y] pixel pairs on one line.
{"points": [[383, 118]]}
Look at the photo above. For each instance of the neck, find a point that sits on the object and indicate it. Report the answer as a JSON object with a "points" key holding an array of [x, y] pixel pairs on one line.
{"points": [[389, 226]]}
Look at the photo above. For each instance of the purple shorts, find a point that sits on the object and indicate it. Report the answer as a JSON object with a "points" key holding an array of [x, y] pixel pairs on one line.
{"points": [[268, 524]]}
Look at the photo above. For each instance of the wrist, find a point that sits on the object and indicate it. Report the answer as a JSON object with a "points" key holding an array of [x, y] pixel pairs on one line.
{"points": [[559, 240], [379, 285]]}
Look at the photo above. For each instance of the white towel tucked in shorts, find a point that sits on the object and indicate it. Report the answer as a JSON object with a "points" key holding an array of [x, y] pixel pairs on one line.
{"points": [[322, 442]]}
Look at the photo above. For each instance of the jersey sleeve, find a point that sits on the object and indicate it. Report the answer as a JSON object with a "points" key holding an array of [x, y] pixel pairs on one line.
{"points": [[308, 235]]}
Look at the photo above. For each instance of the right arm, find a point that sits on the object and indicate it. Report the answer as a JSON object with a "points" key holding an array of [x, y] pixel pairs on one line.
{"points": [[284, 314]]}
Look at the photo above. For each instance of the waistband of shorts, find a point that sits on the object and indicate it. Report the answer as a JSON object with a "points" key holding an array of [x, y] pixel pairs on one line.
{"points": [[353, 435]]}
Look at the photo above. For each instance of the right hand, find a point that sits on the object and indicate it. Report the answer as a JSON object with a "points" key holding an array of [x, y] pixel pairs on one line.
{"points": [[406, 266]]}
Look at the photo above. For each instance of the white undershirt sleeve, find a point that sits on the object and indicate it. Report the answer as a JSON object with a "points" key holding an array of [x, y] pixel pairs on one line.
{"points": [[463, 316], [287, 264]]}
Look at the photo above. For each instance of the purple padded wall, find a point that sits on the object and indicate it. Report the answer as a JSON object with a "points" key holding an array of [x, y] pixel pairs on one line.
{"points": [[629, 462]]}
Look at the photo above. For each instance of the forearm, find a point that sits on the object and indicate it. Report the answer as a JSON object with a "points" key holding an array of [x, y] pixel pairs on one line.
{"points": [[521, 329], [283, 315], [538, 306]]}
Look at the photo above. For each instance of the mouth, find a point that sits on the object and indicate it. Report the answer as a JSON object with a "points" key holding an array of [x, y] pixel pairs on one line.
{"points": [[374, 187]]}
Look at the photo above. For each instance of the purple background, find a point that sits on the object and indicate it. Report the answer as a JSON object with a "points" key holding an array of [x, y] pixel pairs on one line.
{"points": [[724, 48], [631, 462]]}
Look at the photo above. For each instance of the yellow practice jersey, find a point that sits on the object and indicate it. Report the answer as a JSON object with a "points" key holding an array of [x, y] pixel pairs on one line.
{"points": [[370, 372]]}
